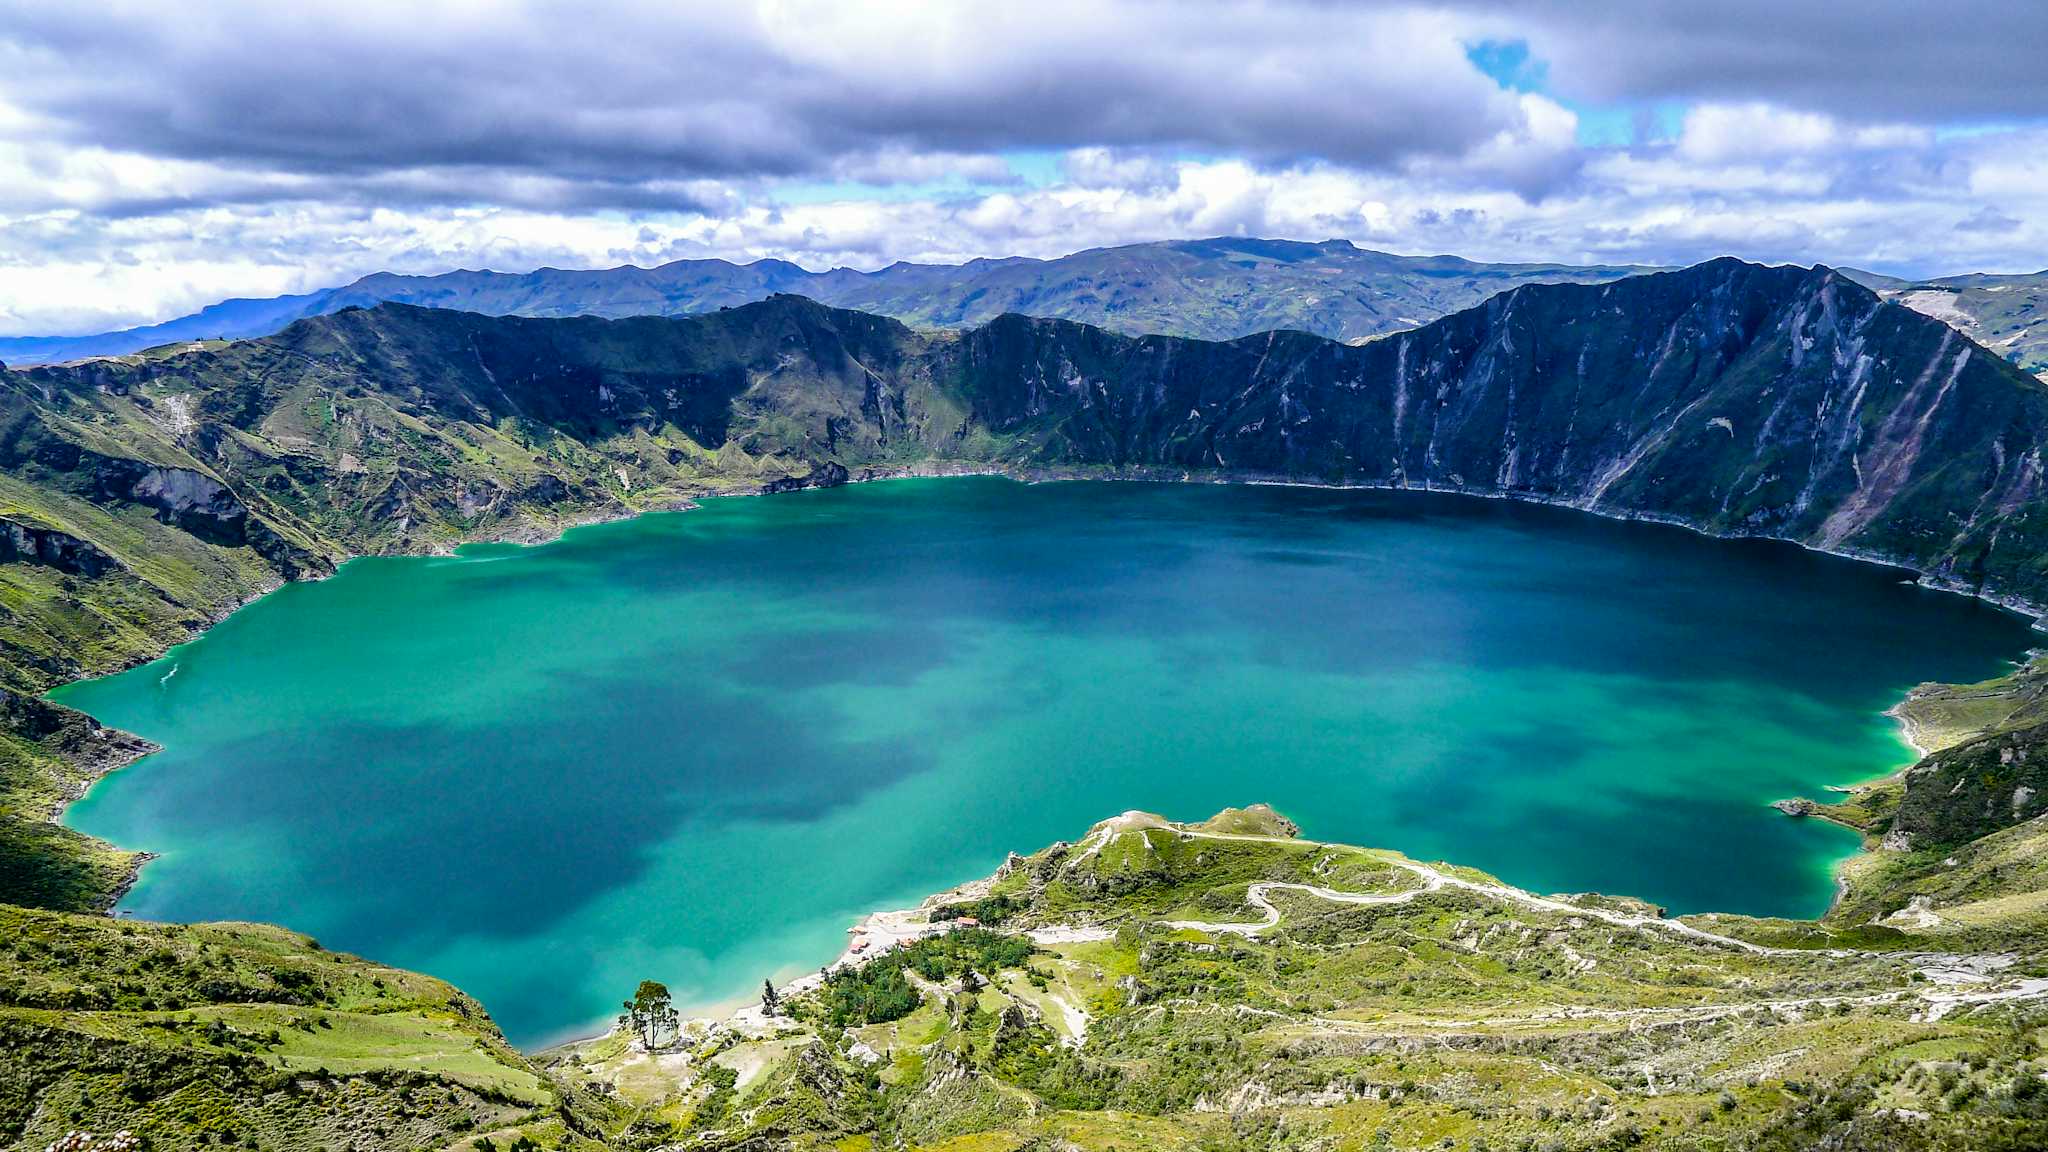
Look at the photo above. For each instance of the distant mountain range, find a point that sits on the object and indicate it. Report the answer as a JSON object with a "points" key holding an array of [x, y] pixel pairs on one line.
{"points": [[1215, 289]]}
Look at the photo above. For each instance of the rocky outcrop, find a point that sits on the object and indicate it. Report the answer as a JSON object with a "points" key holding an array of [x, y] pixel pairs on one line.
{"points": [[33, 544], [1973, 789], [193, 501], [93, 747], [830, 474]]}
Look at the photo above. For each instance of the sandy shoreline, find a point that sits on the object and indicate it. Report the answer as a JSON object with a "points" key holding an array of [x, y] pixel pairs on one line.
{"points": [[1909, 729], [875, 934]]}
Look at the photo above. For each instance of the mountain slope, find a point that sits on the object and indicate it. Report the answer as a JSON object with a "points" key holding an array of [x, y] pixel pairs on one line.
{"points": [[2007, 314], [1212, 289], [191, 1035]]}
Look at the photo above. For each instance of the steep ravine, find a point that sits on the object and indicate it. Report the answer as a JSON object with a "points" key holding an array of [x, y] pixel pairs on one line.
{"points": [[146, 497]]}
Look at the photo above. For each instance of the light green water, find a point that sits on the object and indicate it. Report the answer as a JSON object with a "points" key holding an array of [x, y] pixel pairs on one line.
{"points": [[696, 746]]}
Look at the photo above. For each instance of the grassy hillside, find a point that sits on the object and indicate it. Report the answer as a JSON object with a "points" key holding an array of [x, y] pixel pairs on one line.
{"points": [[1228, 985], [230, 1035]]}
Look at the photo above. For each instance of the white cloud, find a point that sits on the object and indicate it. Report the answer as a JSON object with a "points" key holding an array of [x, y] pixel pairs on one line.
{"points": [[72, 270], [153, 160], [1717, 132], [1721, 133]]}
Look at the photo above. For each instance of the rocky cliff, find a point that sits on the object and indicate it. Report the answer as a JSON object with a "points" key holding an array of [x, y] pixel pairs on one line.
{"points": [[1765, 401]]}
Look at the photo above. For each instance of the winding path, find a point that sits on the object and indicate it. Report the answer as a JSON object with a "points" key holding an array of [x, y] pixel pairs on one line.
{"points": [[1436, 880], [1958, 981]]}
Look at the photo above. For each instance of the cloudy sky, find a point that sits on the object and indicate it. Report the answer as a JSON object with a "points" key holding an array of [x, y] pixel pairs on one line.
{"points": [[157, 157]]}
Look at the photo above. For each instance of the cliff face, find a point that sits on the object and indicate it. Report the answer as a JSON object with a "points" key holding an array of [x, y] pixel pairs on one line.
{"points": [[1767, 401]]}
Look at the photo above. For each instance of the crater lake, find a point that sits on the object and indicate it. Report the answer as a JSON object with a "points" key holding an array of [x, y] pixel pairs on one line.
{"points": [[695, 746]]}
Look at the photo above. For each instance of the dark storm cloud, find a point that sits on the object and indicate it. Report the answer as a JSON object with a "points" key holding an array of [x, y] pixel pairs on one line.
{"points": [[1890, 60], [642, 93]]}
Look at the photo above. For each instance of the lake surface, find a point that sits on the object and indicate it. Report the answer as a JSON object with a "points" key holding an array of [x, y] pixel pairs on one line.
{"points": [[696, 746]]}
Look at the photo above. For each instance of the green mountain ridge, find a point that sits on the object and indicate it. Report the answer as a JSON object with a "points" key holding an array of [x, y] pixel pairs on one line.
{"points": [[242, 1034], [142, 498]]}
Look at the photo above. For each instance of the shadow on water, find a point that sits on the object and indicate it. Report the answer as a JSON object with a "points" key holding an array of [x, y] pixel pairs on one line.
{"points": [[517, 824], [874, 656]]}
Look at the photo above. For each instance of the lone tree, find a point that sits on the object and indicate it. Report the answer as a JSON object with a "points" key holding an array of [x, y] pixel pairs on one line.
{"points": [[771, 1000], [650, 1014]]}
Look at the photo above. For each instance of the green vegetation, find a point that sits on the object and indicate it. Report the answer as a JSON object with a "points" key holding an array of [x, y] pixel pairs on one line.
{"points": [[1365, 1014], [1221, 985], [984, 910], [880, 991], [876, 994], [243, 1035]]}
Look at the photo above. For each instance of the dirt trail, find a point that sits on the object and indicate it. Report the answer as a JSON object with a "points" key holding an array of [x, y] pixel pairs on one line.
{"points": [[1958, 981], [1435, 880]]}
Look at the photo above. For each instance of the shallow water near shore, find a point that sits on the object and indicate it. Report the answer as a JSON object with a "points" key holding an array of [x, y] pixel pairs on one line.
{"points": [[695, 746]]}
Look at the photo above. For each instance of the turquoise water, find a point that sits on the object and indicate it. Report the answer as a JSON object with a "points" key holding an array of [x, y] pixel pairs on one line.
{"points": [[695, 746]]}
